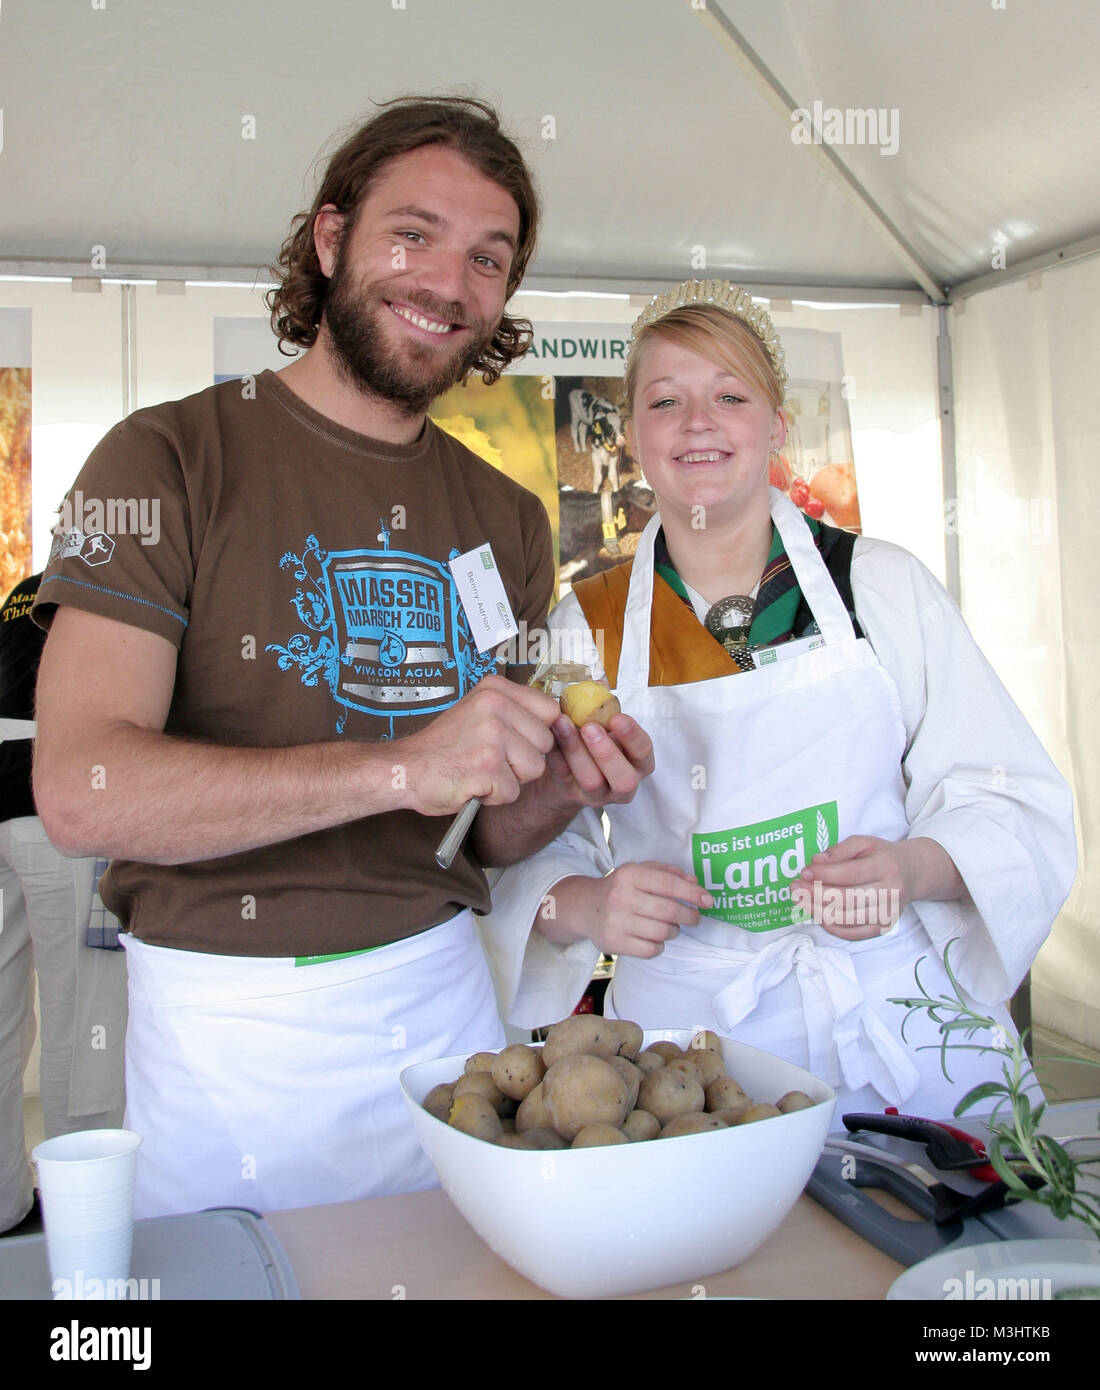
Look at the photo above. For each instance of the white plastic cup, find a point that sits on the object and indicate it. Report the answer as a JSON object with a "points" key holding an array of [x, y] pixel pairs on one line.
{"points": [[87, 1184]]}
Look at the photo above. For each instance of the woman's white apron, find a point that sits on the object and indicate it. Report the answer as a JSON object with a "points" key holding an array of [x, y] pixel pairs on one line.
{"points": [[754, 773], [265, 1084]]}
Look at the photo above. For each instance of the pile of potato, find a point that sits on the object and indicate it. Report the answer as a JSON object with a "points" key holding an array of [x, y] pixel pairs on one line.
{"points": [[591, 1083]]}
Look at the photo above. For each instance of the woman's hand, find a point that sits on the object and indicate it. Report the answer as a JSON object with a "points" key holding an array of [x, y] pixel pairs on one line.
{"points": [[632, 911], [860, 887], [594, 766], [641, 906]]}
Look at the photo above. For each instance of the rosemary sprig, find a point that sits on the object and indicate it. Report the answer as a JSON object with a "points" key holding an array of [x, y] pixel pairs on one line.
{"points": [[1020, 1155]]}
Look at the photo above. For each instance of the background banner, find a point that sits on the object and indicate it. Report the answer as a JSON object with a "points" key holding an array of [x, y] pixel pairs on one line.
{"points": [[15, 447]]}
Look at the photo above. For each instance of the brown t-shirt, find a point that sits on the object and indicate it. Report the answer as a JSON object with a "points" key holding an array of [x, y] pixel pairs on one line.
{"points": [[301, 570]]}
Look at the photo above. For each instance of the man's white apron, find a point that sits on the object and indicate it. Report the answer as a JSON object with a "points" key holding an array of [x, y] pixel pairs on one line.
{"points": [[821, 729], [263, 1084]]}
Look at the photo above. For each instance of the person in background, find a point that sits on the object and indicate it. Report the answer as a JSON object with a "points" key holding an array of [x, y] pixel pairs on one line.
{"points": [[47, 907], [843, 785]]}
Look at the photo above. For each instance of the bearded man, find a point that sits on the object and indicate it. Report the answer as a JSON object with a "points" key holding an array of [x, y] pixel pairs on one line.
{"points": [[268, 717]]}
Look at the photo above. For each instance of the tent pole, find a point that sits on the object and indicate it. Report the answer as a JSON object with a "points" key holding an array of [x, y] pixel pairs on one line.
{"points": [[128, 301], [948, 469], [1069, 254]]}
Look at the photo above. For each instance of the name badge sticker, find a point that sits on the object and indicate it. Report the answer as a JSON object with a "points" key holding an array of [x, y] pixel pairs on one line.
{"points": [[483, 598], [768, 656]]}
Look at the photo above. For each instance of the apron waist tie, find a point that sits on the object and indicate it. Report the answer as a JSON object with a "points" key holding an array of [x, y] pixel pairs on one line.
{"points": [[849, 1044]]}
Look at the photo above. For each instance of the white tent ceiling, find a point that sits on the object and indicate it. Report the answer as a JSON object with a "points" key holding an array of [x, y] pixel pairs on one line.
{"points": [[122, 128]]}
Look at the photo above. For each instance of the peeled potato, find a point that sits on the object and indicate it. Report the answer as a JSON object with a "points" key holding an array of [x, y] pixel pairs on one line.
{"points": [[589, 702]]}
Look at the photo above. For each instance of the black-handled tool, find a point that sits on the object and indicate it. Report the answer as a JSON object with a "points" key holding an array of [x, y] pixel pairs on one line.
{"points": [[836, 1186], [947, 1148]]}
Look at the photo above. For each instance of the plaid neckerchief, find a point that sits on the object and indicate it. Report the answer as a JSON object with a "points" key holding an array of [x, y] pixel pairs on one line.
{"points": [[777, 599]]}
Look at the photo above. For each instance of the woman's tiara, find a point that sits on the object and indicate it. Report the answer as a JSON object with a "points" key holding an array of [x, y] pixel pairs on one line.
{"points": [[730, 298]]}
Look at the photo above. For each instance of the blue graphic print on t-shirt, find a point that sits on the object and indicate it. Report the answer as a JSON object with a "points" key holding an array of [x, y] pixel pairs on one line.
{"points": [[385, 629]]}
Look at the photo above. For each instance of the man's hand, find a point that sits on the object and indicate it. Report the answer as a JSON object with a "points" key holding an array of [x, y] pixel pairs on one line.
{"points": [[488, 745], [585, 767], [861, 886], [632, 911]]}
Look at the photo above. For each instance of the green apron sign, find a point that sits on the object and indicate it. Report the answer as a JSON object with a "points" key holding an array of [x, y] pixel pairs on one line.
{"points": [[749, 869]]}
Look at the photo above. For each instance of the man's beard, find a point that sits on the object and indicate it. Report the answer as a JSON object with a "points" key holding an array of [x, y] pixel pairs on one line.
{"points": [[409, 376]]}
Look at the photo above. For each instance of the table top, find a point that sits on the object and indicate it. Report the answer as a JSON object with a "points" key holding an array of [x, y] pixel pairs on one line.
{"points": [[418, 1246]]}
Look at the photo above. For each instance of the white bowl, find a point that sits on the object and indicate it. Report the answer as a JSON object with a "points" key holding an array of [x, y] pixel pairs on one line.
{"points": [[592, 1223]]}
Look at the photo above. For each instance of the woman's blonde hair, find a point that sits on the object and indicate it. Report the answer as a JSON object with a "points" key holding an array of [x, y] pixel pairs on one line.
{"points": [[720, 338]]}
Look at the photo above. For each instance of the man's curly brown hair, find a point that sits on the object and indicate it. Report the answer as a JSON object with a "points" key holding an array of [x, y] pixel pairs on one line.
{"points": [[466, 125]]}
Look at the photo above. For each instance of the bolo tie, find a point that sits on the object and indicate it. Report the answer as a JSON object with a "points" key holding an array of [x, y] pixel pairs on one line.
{"points": [[729, 621]]}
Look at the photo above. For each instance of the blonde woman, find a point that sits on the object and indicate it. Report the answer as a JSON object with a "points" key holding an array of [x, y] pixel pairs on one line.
{"points": [[826, 807]]}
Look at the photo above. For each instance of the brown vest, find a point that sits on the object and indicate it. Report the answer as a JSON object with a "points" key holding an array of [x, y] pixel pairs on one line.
{"points": [[681, 650]]}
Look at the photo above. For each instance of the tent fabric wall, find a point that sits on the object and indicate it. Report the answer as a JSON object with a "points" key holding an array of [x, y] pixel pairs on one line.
{"points": [[1028, 419]]}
